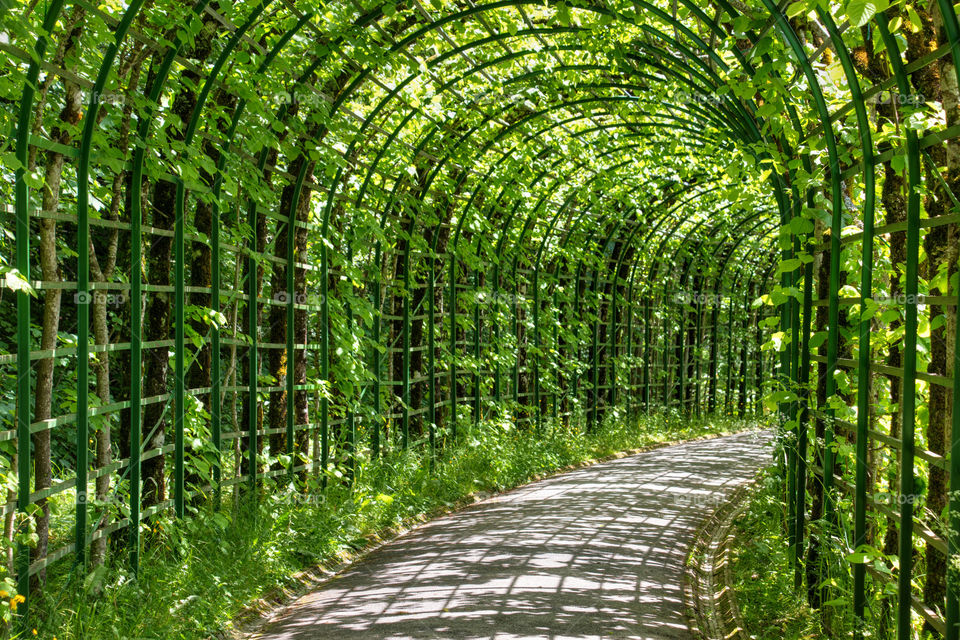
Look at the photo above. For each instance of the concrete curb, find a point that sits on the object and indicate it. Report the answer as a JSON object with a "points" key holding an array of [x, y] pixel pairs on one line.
{"points": [[709, 597]]}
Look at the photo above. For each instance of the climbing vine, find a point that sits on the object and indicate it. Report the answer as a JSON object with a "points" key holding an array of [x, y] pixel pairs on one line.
{"points": [[247, 245]]}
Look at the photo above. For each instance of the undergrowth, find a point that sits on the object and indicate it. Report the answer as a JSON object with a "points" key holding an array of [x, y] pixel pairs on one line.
{"points": [[199, 574], [762, 578]]}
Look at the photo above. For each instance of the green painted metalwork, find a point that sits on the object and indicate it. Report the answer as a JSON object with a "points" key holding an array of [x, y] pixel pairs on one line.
{"points": [[866, 288], [477, 391], [907, 484], [22, 209], [518, 193], [136, 295], [952, 613], [179, 483], [836, 226], [83, 282], [376, 361], [803, 419], [432, 358]]}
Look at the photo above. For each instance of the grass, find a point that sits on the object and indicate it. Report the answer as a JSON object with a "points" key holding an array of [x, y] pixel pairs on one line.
{"points": [[762, 579], [198, 575]]}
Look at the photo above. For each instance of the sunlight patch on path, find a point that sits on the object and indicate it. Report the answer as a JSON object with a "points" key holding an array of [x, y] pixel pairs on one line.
{"points": [[596, 553]]}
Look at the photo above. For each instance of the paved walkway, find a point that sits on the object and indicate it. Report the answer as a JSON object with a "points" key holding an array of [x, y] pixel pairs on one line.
{"points": [[594, 553]]}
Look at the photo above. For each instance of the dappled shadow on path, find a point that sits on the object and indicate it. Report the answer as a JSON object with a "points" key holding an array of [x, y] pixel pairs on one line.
{"points": [[594, 553]]}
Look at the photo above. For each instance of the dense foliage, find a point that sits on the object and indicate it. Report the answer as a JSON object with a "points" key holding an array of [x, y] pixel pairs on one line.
{"points": [[254, 243]]}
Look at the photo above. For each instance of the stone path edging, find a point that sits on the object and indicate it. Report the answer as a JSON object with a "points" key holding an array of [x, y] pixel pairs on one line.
{"points": [[709, 595]]}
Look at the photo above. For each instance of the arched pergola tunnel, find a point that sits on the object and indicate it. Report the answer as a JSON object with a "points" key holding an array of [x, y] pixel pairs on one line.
{"points": [[305, 234]]}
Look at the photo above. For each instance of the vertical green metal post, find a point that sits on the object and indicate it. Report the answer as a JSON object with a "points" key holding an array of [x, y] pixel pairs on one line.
{"points": [[863, 393], [803, 419], [83, 283], [215, 373], [713, 369], [555, 410], [515, 309], [698, 345], [325, 359], [253, 360], [477, 392], [953, 528], [22, 208], [907, 488], [136, 353], [405, 366], [291, 301], [291, 315], [788, 327], [432, 359], [575, 347], [952, 610], [453, 346], [629, 357], [536, 349], [351, 417], [595, 361], [682, 356], [83, 350], [495, 337], [647, 354], [866, 289], [376, 362], [612, 355], [758, 346], [786, 243], [744, 345], [728, 396], [179, 349]]}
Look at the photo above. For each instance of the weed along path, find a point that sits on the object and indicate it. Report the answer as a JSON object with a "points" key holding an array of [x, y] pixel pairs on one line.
{"points": [[594, 553]]}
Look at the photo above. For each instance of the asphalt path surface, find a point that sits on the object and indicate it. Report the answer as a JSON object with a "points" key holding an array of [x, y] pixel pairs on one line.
{"points": [[594, 553]]}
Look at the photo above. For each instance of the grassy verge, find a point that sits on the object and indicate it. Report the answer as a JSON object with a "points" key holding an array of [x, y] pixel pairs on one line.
{"points": [[198, 575], [771, 608]]}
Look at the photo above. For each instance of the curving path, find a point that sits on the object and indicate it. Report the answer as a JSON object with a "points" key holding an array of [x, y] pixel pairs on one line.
{"points": [[594, 553]]}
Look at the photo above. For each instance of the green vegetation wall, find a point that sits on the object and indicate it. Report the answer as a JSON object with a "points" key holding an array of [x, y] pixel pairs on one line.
{"points": [[251, 243]]}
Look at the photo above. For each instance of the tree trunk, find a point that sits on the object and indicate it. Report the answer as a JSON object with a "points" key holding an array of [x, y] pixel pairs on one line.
{"points": [[261, 244], [277, 358], [157, 322], [50, 271]]}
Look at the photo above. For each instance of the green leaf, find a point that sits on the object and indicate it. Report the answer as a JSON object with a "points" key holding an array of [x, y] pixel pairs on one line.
{"points": [[733, 170], [91, 583], [818, 339], [801, 226], [34, 179], [15, 281], [860, 12], [787, 266], [11, 161], [796, 9], [915, 23], [858, 557]]}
